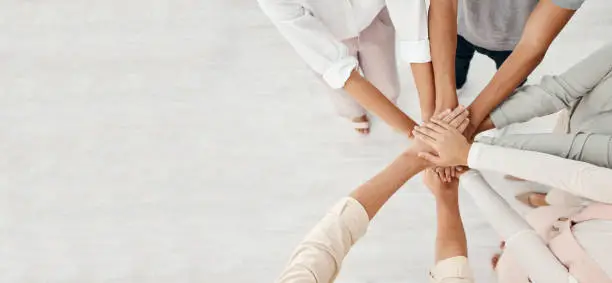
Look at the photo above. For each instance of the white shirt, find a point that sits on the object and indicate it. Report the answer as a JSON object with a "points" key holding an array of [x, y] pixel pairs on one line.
{"points": [[579, 178], [316, 28], [319, 257]]}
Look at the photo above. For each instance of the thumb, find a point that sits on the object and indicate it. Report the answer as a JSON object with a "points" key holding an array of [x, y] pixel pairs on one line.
{"points": [[429, 157]]}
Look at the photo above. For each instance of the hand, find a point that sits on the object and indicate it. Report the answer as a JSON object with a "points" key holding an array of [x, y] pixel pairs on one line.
{"points": [[457, 117], [446, 174], [438, 188], [451, 146]]}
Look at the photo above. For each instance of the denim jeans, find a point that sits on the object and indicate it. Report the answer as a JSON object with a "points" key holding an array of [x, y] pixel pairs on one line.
{"points": [[465, 53]]}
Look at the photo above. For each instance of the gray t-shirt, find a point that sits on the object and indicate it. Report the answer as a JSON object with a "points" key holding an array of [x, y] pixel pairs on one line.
{"points": [[498, 24]]}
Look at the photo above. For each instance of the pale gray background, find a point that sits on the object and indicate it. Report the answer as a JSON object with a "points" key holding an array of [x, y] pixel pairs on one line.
{"points": [[184, 141]]}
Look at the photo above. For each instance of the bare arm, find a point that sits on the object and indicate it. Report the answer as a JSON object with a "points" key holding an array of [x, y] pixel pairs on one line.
{"points": [[450, 237], [443, 38], [542, 27], [329, 57], [451, 245], [424, 80], [373, 100], [553, 92], [374, 194]]}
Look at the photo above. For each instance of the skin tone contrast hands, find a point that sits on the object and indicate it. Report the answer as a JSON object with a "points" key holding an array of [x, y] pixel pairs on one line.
{"points": [[450, 145], [374, 193], [542, 27], [446, 174]]}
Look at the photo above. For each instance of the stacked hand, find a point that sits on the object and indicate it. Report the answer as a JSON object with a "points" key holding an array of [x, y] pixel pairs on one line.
{"points": [[456, 118], [450, 147]]}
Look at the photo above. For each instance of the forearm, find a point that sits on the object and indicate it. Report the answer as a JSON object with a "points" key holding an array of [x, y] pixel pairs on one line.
{"points": [[424, 81], [542, 27], [443, 42], [373, 100], [374, 193], [517, 67], [319, 256], [450, 240], [485, 125]]}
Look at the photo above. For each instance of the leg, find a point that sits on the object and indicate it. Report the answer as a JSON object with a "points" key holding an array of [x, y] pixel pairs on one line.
{"points": [[463, 57], [509, 270], [376, 56]]}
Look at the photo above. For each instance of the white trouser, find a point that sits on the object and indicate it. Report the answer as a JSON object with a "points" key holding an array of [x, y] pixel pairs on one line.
{"points": [[375, 51]]}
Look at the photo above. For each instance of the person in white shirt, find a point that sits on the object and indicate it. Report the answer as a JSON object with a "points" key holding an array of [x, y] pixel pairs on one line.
{"points": [[351, 46], [578, 236]]}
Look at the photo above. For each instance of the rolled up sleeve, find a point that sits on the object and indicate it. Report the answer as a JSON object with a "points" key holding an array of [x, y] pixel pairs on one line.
{"points": [[312, 40], [319, 256], [410, 21], [452, 270]]}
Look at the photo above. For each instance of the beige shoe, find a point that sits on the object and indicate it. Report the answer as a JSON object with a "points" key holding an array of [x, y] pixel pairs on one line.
{"points": [[512, 178], [527, 199], [361, 124]]}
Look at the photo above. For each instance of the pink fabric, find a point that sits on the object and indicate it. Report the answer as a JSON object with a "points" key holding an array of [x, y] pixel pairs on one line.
{"points": [[554, 225], [375, 51]]}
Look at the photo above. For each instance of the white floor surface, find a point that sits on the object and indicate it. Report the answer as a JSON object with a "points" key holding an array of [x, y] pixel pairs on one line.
{"points": [[184, 141]]}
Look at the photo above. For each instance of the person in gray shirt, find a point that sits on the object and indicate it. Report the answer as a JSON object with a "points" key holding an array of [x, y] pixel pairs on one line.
{"points": [[516, 34], [585, 129], [538, 27], [492, 28]]}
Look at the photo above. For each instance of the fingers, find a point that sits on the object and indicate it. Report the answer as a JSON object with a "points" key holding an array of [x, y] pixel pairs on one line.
{"points": [[454, 114], [442, 114], [460, 170], [441, 176], [459, 119], [428, 135], [437, 127], [429, 157], [448, 174], [463, 125], [445, 174]]}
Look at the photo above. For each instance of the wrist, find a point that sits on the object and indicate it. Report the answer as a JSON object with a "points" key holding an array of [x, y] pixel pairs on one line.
{"points": [[411, 155], [448, 200], [465, 153]]}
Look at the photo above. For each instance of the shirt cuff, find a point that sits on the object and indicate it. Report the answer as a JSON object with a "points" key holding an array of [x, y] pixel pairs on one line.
{"points": [[353, 215], [415, 51], [339, 72], [452, 268], [569, 4], [499, 119], [474, 155]]}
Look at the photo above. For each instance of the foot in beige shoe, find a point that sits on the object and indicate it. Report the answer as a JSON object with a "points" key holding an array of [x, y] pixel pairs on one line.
{"points": [[361, 124], [512, 178], [532, 199]]}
